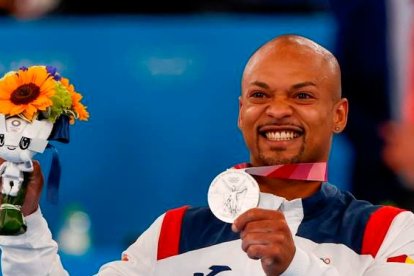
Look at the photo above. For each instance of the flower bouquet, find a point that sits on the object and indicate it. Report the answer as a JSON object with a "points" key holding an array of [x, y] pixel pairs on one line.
{"points": [[36, 105]]}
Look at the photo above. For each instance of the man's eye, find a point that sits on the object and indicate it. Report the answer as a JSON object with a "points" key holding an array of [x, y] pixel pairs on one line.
{"points": [[258, 95], [303, 95]]}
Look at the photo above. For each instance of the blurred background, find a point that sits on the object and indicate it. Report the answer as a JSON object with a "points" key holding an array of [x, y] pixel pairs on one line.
{"points": [[161, 80]]}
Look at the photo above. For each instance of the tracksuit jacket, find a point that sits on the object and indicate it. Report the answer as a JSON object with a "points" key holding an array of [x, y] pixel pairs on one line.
{"points": [[334, 234]]}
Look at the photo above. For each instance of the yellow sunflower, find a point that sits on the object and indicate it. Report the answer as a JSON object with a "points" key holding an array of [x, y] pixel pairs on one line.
{"points": [[26, 92], [78, 108]]}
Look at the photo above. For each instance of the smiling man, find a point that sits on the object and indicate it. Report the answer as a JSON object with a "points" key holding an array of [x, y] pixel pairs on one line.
{"points": [[290, 108]]}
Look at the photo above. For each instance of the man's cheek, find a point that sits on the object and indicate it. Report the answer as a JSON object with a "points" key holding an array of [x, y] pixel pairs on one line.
{"points": [[250, 114]]}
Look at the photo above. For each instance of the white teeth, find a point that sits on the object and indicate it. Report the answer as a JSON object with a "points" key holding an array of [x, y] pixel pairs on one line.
{"points": [[281, 135]]}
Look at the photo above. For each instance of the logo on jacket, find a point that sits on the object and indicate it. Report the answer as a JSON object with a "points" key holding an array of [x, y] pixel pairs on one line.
{"points": [[215, 269]]}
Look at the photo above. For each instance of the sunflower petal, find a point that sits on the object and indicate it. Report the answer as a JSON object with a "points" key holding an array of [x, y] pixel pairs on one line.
{"points": [[31, 90]]}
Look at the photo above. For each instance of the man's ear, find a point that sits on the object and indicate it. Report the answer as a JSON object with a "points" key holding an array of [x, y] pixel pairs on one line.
{"points": [[340, 115], [239, 120]]}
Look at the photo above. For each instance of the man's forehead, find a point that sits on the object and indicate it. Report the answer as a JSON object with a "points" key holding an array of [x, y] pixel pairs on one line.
{"points": [[291, 47], [295, 67], [294, 43], [291, 60], [283, 55]]}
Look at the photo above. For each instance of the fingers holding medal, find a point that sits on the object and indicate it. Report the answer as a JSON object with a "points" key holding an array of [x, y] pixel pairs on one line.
{"points": [[266, 236], [233, 197]]}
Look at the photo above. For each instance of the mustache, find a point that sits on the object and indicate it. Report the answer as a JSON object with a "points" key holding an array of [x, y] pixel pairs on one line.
{"points": [[281, 122]]}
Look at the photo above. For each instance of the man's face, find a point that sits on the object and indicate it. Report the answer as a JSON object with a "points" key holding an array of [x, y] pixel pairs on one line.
{"points": [[288, 111]]}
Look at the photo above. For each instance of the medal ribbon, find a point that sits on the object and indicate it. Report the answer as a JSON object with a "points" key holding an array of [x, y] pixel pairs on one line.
{"points": [[299, 171]]}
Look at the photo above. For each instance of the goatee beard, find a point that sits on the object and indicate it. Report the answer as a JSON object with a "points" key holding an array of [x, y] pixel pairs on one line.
{"points": [[275, 160], [270, 161]]}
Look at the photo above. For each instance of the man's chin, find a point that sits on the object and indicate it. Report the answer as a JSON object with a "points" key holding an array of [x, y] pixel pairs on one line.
{"points": [[272, 160]]}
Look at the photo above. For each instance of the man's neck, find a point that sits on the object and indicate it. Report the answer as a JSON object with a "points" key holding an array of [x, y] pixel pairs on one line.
{"points": [[289, 189]]}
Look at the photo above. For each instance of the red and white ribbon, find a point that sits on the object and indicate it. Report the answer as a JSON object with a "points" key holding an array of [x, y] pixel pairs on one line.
{"points": [[298, 171]]}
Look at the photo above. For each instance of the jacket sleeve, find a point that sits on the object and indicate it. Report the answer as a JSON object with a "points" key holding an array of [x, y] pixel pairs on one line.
{"points": [[396, 254], [35, 252], [32, 253], [140, 257], [305, 263]]}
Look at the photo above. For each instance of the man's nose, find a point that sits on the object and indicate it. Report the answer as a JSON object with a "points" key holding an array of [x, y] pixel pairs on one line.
{"points": [[279, 108]]}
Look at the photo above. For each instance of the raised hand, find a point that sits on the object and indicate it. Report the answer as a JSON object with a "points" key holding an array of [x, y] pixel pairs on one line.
{"points": [[266, 236], [34, 186]]}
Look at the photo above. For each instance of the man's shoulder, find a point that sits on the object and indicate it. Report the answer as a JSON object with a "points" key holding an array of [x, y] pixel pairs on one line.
{"points": [[336, 216], [365, 210], [377, 227]]}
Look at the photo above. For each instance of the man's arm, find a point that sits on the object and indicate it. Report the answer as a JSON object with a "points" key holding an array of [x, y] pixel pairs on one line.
{"points": [[396, 254], [32, 253]]}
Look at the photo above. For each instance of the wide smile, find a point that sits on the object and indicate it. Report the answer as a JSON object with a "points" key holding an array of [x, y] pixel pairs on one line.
{"points": [[11, 147], [280, 133]]}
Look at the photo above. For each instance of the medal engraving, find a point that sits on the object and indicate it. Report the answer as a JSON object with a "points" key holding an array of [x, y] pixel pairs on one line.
{"points": [[232, 193]]}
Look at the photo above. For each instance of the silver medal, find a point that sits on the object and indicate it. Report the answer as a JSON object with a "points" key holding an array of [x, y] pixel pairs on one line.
{"points": [[232, 193]]}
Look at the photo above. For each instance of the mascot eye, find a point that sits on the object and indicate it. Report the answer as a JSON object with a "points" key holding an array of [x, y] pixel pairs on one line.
{"points": [[1, 140], [24, 143], [16, 123]]}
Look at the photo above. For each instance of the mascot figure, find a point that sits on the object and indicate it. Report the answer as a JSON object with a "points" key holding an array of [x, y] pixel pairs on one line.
{"points": [[36, 105]]}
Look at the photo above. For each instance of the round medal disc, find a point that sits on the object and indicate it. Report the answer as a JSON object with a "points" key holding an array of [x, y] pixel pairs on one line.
{"points": [[232, 193]]}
